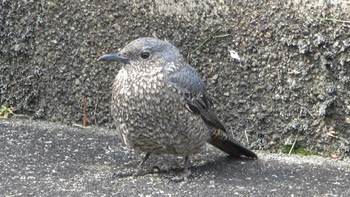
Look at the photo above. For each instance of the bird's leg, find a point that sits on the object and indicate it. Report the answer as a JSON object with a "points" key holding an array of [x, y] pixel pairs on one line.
{"points": [[140, 171], [186, 173]]}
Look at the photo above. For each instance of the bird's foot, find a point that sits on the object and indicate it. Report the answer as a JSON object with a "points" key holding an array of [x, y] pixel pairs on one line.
{"points": [[121, 174], [182, 177], [141, 172]]}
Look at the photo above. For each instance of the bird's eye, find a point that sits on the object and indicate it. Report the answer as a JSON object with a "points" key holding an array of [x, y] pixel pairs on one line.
{"points": [[145, 55]]}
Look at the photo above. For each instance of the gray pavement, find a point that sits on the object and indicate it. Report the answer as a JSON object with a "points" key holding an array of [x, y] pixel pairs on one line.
{"points": [[49, 159]]}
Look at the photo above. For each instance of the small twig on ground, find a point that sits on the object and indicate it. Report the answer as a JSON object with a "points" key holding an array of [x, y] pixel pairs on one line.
{"points": [[78, 125], [84, 112], [293, 145], [95, 113], [246, 136], [308, 111], [335, 20], [84, 115], [221, 35]]}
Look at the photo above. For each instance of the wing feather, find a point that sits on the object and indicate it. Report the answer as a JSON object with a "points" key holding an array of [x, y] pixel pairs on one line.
{"points": [[192, 88]]}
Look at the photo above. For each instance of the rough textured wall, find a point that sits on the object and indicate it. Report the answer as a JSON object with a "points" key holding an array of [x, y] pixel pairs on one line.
{"points": [[292, 82]]}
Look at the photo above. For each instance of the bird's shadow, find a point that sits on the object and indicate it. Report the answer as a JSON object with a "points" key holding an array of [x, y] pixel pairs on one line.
{"points": [[219, 165]]}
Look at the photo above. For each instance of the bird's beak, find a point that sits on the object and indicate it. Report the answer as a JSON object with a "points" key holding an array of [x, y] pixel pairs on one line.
{"points": [[114, 57]]}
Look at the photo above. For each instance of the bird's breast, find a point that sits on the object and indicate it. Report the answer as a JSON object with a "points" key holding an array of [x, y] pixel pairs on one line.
{"points": [[150, 116], [140, 95]]}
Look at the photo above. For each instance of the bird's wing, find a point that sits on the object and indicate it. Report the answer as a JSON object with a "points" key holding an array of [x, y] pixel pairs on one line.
{"points": [[192, 88]]}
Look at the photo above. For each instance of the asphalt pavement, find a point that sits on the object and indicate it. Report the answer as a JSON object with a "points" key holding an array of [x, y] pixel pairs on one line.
{"points": [[50, 159]]}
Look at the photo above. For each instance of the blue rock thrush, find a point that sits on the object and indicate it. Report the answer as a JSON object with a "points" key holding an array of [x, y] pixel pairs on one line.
{"points": [[161, 106]]}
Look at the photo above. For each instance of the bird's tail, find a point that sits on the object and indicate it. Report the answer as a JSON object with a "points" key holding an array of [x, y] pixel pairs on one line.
{"points": [[231, 146]]}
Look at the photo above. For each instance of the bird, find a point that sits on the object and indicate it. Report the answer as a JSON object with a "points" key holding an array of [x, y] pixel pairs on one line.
{"points": [[160, 105]]}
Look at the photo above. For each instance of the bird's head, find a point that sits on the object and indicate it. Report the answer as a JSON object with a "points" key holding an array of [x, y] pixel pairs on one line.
{"points": [[145, 54]]}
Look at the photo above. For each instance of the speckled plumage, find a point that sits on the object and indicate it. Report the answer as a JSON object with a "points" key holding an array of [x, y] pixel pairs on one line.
{"points": [[160, 104]]}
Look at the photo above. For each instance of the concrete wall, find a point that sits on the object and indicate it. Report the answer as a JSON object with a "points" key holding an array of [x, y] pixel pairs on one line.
{"points": [[292, 82]]}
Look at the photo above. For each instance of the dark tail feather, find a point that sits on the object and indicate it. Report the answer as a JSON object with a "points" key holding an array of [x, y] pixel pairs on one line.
{"points": [[232, 147]]}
